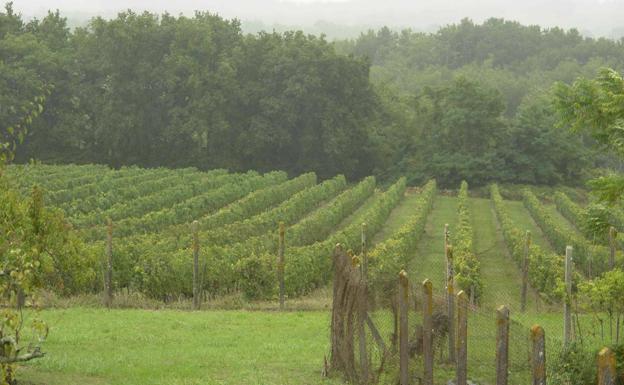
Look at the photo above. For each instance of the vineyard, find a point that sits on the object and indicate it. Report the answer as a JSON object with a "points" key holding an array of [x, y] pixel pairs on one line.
{"points": [[155, 221]]}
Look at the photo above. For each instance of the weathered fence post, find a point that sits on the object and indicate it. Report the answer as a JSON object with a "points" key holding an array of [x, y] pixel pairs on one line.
{"points": [[195, 230], [502, 345], [363, 310], [606, 367], [612, 239], [364, 252], [450, 298], [525, 271], [403, 328], [428, 332], [280, 265], [108, 276], [567, 303], [462, 339], [538, 356]]}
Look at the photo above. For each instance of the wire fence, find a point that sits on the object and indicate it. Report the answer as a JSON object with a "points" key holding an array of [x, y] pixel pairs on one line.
{"points": [[382, 336]]}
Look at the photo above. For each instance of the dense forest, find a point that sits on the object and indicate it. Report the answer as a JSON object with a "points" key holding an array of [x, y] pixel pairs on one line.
{"points": [[467, 102]]}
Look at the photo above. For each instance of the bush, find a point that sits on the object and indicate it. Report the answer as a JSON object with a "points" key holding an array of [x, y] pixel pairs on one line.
{"points": [[257, 276]]}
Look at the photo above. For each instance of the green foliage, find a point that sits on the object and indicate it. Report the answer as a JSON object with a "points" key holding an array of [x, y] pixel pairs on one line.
{"points": [[573, 365], [388, 258], [545, 269], [596, 106], [589, 257], [466, 264], [256, 276], [311, 266]]}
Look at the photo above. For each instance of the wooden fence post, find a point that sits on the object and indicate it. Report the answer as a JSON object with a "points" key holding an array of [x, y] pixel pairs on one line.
{"points": [[538, 356], [428, 333], [567, 305], [280, 265], [403, 328], [606, 367], [450, 298], [612, 239], [462, 339], [108, 276], [363, 311], [525, 271], [195, 230], [502, 345]]}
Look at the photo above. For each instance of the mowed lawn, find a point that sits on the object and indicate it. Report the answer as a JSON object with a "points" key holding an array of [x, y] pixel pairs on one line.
{"points": [[135, 347]]}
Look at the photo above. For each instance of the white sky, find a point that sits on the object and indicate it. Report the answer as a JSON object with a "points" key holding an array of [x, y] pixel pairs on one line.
{"points": [[595, 17]]}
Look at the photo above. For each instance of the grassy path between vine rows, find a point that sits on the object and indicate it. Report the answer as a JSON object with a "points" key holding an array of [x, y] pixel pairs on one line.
{"points": [[428, 261], [398, 217], [523, 221], [140, 347], [502, 279]]}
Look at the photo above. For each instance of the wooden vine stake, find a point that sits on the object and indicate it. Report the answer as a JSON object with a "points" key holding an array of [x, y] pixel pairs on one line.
{"points": [[450, 295], [606, 367], [525, 272], [612, 239], [195, 230], [428, 333], [462, 339], [280, 265], [567, 303], [403, 328], [108, 276], [502, 345], [538, 356], [363, 311]]}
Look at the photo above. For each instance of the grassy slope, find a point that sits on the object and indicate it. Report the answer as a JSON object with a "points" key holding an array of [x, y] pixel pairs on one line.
{"points": [[429, 261], [119, 347], [501, 277], [398, 217], [522, 219]]}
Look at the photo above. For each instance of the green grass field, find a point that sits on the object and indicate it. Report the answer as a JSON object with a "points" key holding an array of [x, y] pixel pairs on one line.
{"points": [[123, 347]]}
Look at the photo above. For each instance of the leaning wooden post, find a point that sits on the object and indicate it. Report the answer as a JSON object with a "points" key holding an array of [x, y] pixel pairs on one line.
{"points": [[363, 310], [606, 367], [280, 265], [525, 271], [403, 328], [502, 345], [567, 305], [538, 356], [195, 230], [428, 332], [612, 238], [450, 299], [108, 276], [462, 339]]}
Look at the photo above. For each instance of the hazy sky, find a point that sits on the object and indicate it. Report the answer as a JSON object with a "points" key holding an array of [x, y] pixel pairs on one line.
{"points": [[592, 17]]}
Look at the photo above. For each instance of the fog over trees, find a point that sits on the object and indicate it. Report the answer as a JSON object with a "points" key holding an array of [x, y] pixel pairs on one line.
{"points": [[346, 18]]}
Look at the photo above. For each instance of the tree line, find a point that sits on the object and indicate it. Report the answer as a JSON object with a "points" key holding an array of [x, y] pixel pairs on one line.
{"points": [[470, 102]]}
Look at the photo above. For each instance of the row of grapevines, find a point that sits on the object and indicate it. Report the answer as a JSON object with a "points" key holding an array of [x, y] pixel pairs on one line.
{"points": [[104, 201], [158, 200], [466, 264], [141, 253], [114, 181], [191, 208], [545, 269], [226, 225], [157, 275], [604, 217], [289, 212], [593, 259], [310, 266], [388, 258]]}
